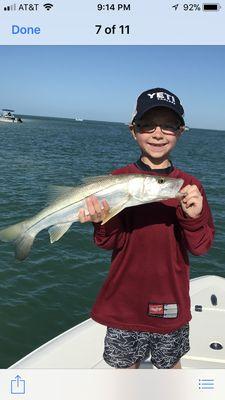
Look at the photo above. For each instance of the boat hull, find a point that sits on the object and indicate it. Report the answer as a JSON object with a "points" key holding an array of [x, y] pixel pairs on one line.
{"points": [[10, 120], [7, 120]]}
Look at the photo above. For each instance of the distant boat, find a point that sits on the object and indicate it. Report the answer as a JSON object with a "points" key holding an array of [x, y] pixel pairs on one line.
{"points": [[78, 119], [187, 128], [8, 116]]}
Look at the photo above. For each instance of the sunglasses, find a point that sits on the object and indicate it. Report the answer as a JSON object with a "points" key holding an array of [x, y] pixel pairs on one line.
{"points": [[167, 129]]}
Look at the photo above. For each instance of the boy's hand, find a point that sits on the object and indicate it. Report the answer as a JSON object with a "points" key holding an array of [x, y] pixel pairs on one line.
{"points": [[192, 202], [97, 211]]}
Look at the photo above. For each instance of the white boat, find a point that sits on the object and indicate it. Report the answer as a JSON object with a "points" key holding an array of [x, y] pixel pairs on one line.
{"points": [[82, 345], [8, 116], [78, 119]]}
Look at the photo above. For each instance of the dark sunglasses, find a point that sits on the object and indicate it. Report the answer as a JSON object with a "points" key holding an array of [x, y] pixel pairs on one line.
{"points": [[167, 129]]}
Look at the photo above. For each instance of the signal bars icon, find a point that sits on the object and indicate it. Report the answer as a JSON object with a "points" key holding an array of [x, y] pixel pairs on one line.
{"points": [[12, 7], [48, 6]]}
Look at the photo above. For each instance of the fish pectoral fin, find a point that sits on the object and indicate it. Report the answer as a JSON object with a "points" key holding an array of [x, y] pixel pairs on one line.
{"points": [[115, 210], [57, 231]]}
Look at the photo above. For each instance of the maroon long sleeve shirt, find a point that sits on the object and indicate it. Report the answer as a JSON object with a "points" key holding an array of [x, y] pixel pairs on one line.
{"points": [[147, 287]]}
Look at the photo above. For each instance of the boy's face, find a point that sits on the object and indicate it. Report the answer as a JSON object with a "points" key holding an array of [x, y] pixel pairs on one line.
{"points": [[156, 142]]}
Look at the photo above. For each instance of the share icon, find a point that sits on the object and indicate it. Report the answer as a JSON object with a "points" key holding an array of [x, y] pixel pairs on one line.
{"points": [[175, 7]]}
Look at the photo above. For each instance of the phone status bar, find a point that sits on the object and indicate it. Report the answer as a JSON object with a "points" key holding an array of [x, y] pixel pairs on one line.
{"points": [[92, 22]]}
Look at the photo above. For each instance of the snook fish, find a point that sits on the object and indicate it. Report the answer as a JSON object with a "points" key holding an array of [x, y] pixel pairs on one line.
{"points": [[120, 191]]}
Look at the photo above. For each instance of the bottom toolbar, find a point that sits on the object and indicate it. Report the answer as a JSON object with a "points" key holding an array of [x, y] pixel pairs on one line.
{"points": [[111, 384]]}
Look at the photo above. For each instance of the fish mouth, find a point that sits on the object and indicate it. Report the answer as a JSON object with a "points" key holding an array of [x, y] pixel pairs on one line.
{"points": [[174, 187], [177, 187]]}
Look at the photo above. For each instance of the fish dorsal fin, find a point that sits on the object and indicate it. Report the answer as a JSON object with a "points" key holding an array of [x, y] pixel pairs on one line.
{"points": [[93, 179], [116, 210], [57, 231], [57, 192]]}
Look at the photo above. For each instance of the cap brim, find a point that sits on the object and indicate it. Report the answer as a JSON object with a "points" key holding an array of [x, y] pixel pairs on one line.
{"points": [[140, 114]]}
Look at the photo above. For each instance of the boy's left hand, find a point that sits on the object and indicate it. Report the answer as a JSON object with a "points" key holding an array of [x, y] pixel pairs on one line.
{"points": [[192, 202]]}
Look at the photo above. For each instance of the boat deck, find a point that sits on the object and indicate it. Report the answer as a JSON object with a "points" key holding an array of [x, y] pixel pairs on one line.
{"points": [[82, 346]]}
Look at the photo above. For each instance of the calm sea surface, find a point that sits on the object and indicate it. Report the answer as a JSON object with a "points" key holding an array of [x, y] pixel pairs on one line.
{"points": [[56, 286]]}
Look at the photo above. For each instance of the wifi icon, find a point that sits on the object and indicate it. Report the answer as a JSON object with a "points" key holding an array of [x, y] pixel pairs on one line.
{"points": [[48, 6]]}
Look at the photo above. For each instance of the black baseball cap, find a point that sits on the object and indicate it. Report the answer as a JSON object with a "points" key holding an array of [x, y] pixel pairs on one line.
{"points": [[157, 97]]}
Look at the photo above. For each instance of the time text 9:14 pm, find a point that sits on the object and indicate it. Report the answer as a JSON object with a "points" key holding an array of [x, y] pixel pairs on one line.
{"points": [[113, 7]]}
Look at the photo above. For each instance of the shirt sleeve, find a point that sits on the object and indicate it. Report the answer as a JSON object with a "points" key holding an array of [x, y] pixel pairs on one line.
{"points": [[198, 232], [111, 235]]}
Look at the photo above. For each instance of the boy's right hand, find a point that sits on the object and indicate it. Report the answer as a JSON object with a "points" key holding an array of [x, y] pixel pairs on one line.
{"points": [[97, 211]]}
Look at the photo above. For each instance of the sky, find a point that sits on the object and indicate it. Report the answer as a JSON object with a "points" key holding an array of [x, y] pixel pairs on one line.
{"points": [[103, 82]]}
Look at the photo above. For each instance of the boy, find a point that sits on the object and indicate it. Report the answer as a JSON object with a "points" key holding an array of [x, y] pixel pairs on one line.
{"points": [[145, 301]]}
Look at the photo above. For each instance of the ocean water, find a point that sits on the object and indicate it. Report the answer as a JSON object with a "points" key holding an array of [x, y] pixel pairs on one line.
{"points": [[56, 286]]}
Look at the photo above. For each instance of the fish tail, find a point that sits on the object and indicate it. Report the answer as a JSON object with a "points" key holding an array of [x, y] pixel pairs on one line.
{"points": [[21, 236]]}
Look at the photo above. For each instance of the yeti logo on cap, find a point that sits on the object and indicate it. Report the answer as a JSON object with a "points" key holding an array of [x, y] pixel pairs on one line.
{"points": [[157, 97], [162, 96]]}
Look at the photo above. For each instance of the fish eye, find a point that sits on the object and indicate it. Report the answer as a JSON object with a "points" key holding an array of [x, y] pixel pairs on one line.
{"points": [[161, 180]]}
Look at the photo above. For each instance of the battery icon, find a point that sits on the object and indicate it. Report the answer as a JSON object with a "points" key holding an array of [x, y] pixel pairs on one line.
{"points": [[211, 7]]}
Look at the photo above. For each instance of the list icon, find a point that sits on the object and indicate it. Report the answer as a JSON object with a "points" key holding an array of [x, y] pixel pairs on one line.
{"points": [[206, 384]]}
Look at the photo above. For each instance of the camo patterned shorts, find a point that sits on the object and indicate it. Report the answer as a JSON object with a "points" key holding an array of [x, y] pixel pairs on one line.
{"points": [[125, 348]]}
